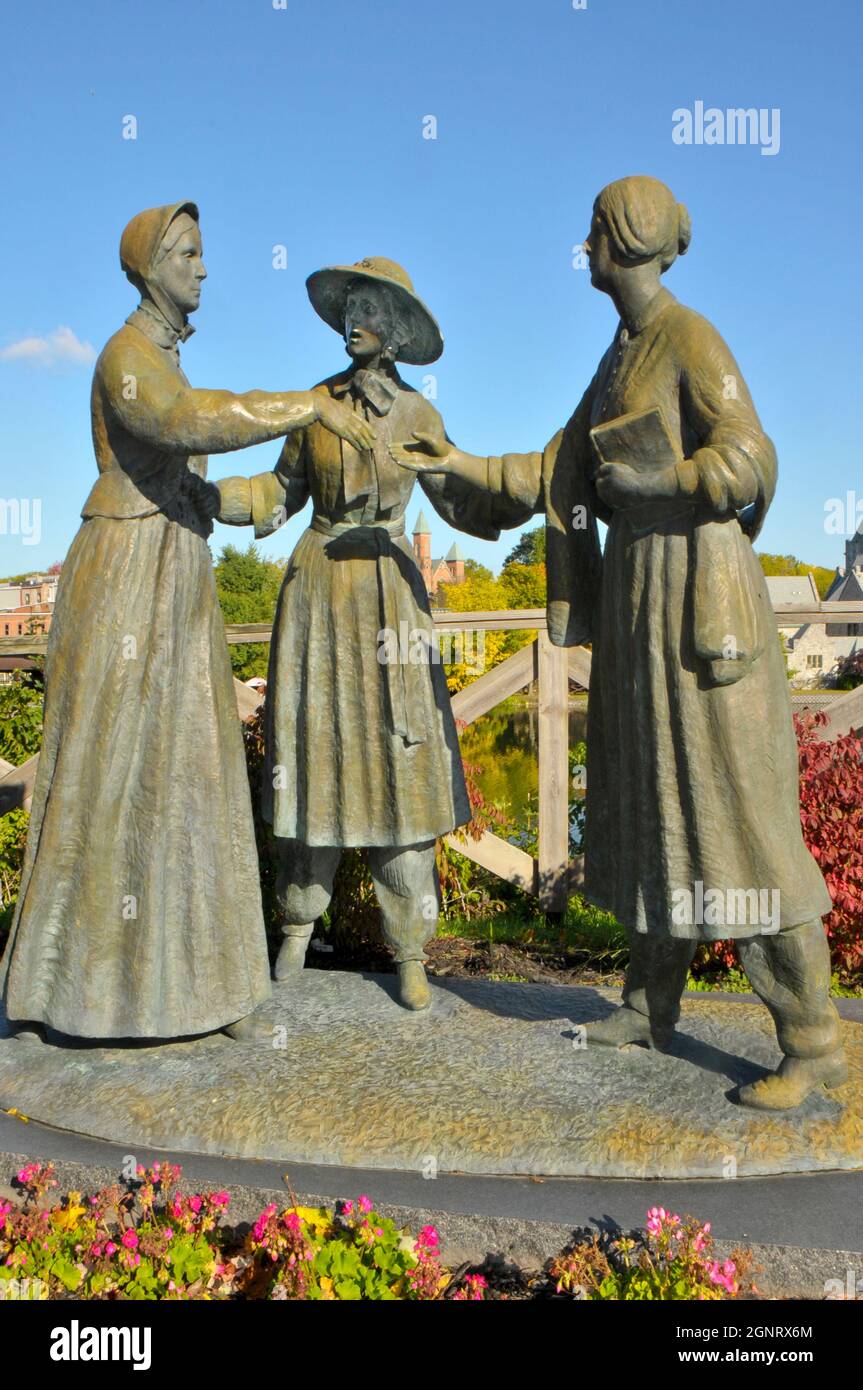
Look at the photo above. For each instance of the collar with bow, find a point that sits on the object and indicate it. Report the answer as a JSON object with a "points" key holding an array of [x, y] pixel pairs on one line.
{"points": [[375, 388]]}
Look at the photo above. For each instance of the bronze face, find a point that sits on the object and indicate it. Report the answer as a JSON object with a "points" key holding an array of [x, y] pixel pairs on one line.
{"points": [[179, 271], [600, 254], [368, 322]]}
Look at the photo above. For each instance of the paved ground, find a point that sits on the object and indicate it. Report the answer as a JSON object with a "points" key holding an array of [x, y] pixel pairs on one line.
{"points": [[490, 1081]]}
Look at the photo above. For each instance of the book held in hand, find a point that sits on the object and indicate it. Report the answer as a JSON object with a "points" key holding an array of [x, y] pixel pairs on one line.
{"points": [[641, 439]]}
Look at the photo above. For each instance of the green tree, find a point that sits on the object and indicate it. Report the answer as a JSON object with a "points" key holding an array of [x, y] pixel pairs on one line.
{"points": [[790, 565], [529, 549], [21, 717], [248, 589]]}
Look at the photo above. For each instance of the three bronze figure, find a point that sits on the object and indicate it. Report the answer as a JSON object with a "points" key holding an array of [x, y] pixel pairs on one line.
{"points": [[140, 915]]}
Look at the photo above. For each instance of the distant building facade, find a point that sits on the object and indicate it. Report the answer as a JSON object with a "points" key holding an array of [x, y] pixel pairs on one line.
{"points": [[446, 570], [813, 650], [26, 607]]}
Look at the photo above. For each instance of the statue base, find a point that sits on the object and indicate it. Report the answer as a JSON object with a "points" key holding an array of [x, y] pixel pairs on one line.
{"points": [[490, 1080]]}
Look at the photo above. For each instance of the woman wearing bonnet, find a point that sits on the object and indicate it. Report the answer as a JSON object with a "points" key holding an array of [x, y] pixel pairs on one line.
{"points": [[140, 912], [693, 823]]}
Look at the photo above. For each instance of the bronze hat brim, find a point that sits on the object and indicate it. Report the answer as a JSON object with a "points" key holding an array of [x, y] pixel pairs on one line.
{"points": [[328, 291]]}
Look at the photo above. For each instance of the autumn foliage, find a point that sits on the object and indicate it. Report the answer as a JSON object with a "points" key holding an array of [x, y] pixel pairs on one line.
{"points": [[831, 812]]}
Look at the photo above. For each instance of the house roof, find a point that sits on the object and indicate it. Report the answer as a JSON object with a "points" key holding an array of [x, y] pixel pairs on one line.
{"points": [[846, 589], [792, 588], [846, 646], [455, 552], [422, 527]]}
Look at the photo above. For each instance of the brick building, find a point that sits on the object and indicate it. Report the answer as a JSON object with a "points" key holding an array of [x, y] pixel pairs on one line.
{"points": [[448, 569], [26, 607]]}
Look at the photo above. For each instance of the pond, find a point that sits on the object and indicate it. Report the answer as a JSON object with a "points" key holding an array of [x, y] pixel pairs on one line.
{"points": [[503, 746]]}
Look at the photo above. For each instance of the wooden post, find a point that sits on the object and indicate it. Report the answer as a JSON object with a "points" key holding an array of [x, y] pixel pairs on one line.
{"points": [[553, 750]]}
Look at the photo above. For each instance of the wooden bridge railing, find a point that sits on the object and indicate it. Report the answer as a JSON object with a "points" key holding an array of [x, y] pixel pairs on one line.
{"points": [[553, 875]]}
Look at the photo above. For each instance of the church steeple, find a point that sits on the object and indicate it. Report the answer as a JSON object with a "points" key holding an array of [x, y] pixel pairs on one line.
{"points": [[422, 549], [854, 551]]}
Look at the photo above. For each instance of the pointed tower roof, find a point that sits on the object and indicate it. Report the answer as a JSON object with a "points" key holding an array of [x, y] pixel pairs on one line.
{"points": [[454, 552], [422, 527]]}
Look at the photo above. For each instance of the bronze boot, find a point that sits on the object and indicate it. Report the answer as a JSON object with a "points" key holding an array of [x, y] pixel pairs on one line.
{"points": [[655, 979], [790, 972], [292, 952]]}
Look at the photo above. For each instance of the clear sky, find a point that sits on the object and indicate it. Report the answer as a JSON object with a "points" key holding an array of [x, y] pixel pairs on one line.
{"points": [[303, 126]]}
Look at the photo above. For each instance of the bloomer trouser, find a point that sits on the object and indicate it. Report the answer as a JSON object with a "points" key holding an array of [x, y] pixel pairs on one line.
{"points": [[406, 884], [789, 970]]}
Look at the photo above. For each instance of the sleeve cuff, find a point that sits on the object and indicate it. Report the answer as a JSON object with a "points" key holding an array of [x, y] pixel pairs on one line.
{"points": [[687, 477], [495, 475], [236, 501], [267, 504]]}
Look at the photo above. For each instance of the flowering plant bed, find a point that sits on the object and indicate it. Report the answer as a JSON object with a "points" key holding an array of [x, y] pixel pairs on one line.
{"points": [[146, 1239]]}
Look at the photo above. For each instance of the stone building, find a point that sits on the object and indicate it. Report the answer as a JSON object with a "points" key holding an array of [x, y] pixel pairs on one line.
{"points": [[814, 649]]}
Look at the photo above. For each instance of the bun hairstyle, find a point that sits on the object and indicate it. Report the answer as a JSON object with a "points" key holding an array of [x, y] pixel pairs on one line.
{"points": [[644, 220]]}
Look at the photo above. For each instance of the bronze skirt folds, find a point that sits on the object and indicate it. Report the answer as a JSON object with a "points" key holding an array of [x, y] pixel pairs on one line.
{"points": [[360, 751], [140, 908], [692, 787]]}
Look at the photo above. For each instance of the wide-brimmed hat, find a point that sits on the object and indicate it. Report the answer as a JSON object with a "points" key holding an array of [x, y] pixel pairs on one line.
{"points": [[328, 290]]}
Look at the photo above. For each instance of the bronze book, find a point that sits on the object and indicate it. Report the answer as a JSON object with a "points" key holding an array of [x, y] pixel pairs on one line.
{"points": [[642, 440]]}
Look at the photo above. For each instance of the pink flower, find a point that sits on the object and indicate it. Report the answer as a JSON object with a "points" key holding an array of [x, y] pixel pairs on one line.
{"points": [[428, 1239], [130, 1240], [472, 1289], [111, 1248], [293, 1221], [195, 1203], [724, 1277], [347, 1208], [364, 1204], [220, 1199], [96, 1250], [261, 1224]]}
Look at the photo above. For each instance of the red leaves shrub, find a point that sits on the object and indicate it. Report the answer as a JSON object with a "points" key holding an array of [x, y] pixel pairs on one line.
{"points": [[831, 813]]}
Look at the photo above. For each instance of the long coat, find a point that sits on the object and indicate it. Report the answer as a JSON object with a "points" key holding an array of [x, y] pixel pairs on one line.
{"points": [[692, 778], [361, 742], [140, 911]]}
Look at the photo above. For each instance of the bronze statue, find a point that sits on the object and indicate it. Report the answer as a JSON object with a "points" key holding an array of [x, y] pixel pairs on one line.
{"points": [[361, 743], [140, 912], [693, 828]]}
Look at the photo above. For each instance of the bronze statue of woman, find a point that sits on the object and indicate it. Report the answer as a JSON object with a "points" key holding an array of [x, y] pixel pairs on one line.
{"points": [[361, 746], [693, 829], [139, 914]]}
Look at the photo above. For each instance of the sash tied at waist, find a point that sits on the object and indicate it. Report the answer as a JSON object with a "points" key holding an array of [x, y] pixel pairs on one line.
{"points": [[401, 618]]}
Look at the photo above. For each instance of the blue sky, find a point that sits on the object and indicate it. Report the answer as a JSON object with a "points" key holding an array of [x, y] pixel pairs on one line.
{"points": [[303, 126]]}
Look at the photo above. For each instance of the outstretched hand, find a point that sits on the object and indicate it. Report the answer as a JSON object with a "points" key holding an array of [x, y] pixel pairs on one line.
{"points": [[429, 453], [341, 420]]}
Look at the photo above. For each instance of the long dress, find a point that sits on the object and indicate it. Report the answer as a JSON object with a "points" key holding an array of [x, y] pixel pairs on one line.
{"points": [[140, 912], [692, 778], [361, 743]]}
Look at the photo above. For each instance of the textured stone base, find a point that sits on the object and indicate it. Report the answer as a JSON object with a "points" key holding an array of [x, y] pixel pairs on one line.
{"points": [[488, 1081]]}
